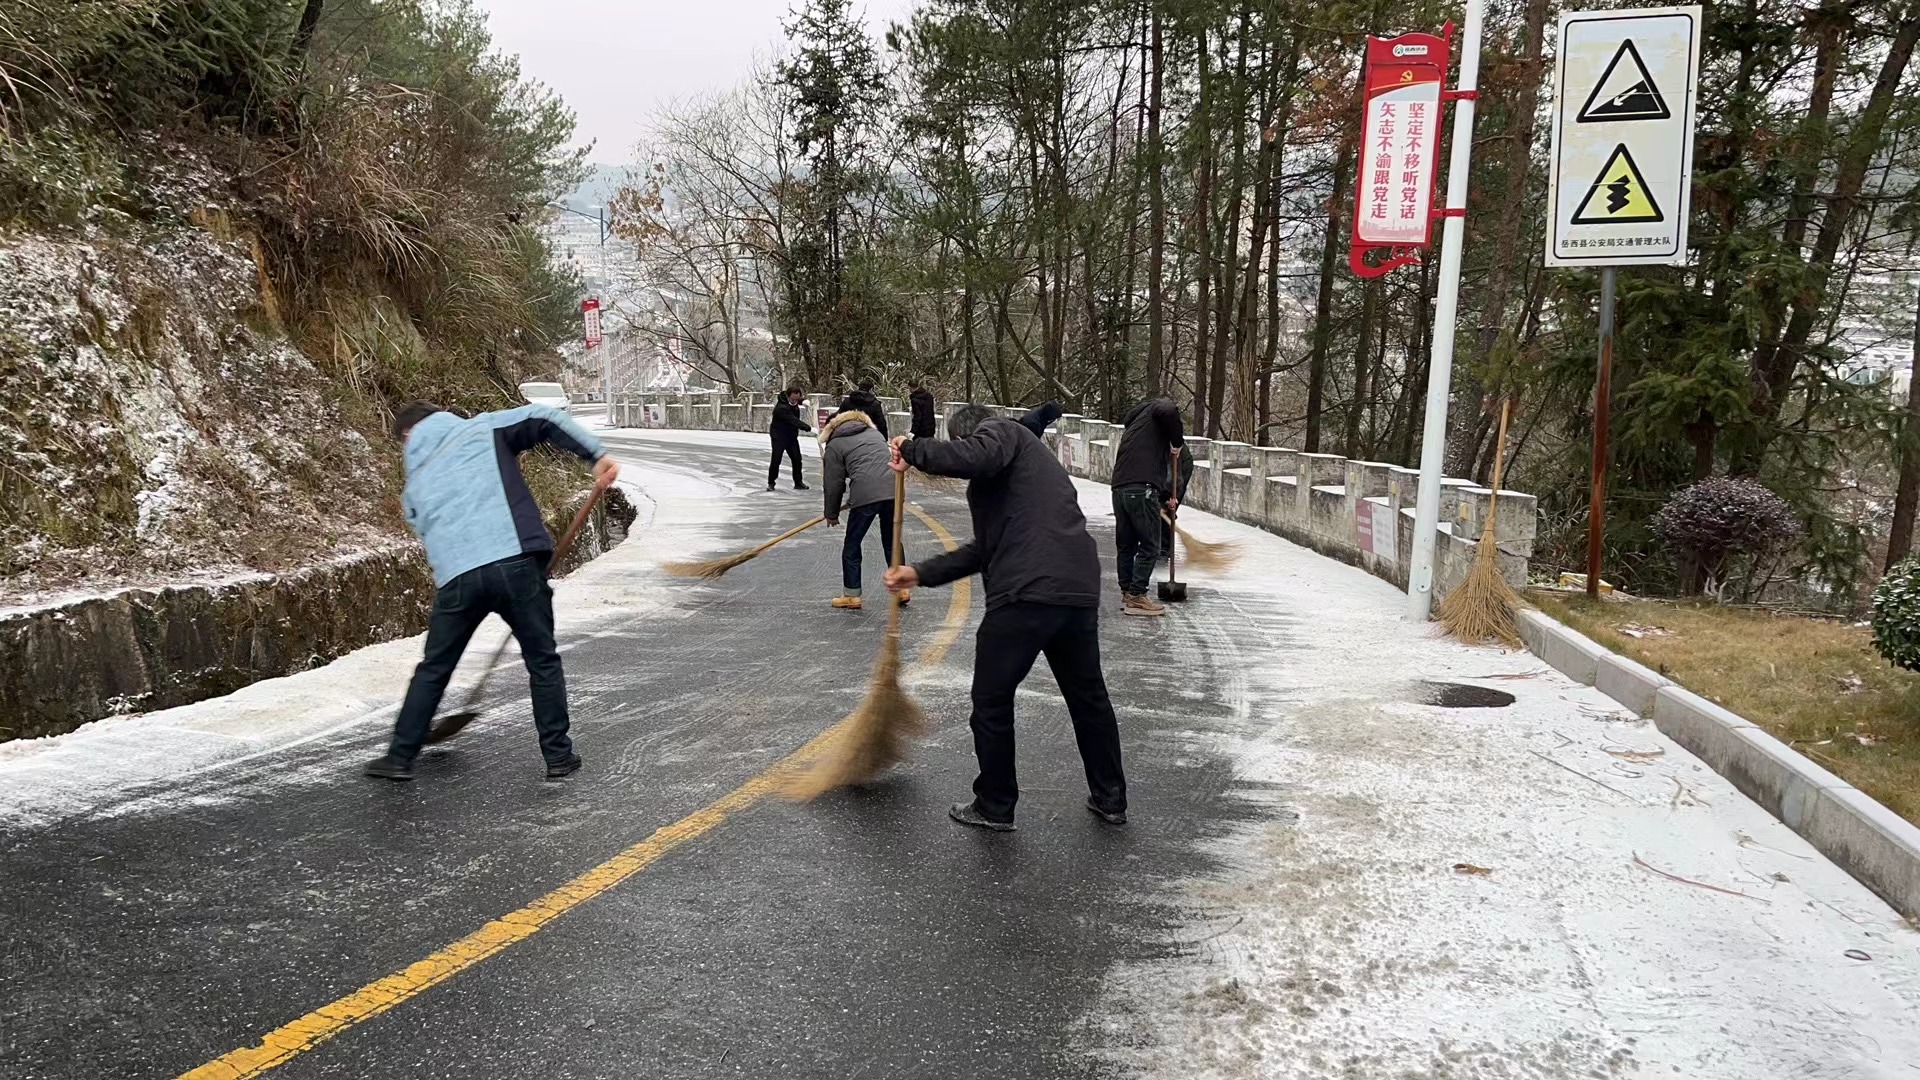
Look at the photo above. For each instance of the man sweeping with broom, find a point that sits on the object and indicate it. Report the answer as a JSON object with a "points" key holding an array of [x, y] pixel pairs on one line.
{"points": [[1152, 433], [1042, 575], [488, 549]]}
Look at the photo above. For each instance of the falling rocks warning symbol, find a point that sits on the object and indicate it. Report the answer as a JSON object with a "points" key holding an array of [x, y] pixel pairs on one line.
{"points": [[1619, 195], [1625, 92]]}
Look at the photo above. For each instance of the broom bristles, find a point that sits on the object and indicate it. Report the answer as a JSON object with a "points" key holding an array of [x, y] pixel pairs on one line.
{"points": [[1208, 554], [1483, 606], [713, 568], [876, 734], [947, 484]]}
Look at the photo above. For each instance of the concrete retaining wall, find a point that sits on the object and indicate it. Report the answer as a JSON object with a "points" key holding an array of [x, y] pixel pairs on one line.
{"points": [[144, 649], [1865, 839], [1359, 512]]}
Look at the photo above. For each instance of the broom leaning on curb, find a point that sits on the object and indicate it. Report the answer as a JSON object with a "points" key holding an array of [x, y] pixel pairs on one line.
{"points": [[1483, 606]]}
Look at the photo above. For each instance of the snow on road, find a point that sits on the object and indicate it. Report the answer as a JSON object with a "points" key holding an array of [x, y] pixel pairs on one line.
{"points": [[1481, 892], [130, 763]]}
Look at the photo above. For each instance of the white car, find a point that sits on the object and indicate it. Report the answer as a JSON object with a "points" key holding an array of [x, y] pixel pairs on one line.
{"points": [[544, 393]]}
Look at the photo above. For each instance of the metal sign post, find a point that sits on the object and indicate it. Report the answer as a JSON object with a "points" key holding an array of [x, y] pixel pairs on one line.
{"points": [[1433, 442], [1620, 173]]}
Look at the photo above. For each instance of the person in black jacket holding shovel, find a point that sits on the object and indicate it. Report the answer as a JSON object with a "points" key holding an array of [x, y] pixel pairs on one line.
{"points": [[1042, 575], [1152, 433], [785, 428]]}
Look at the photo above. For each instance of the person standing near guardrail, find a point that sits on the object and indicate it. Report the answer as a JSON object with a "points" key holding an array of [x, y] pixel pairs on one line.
{"points": [[785, 429], [925, 426], [1152, 433], [864, 399]]}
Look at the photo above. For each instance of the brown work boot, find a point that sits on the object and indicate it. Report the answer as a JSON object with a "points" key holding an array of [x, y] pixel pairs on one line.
{"points": [[905, 596], [1142, 605], [851, 603]]}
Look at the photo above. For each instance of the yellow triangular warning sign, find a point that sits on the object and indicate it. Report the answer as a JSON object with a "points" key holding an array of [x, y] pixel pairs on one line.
{"points": [[1619, 195]]}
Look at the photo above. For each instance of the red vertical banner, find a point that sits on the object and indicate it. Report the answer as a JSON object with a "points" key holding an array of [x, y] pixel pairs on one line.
{"points": [[590, 315], [1397, 167]]}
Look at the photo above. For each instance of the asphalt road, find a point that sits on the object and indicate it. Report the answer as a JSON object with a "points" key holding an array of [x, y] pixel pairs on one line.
{"points": [[862, 935]]}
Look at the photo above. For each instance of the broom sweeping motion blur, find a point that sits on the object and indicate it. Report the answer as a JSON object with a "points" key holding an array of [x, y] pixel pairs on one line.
{"points": [[1483, 606], [713, 568], [1207, 554], [875, 735]]}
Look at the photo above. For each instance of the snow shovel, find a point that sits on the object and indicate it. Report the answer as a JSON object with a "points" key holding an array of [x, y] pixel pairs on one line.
{"points": [[449, 725], [1173, 590]]}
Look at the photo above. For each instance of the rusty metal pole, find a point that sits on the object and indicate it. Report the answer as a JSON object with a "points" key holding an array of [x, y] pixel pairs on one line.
{"points": [[1602, 398]]}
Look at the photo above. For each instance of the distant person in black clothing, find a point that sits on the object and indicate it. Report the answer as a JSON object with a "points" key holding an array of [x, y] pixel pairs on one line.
{"points": [[1039, 417], [1152, 434], [863, 399], [1042, 574], [924, 425], [785, 429]]}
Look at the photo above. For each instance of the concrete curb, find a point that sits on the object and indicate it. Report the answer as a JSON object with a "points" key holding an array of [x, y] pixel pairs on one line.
{"points": [[1878, 847]]}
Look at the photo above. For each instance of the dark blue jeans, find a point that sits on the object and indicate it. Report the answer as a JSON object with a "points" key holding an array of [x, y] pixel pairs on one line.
{"points": [[516, 590], [1136, 534], [859, 519]]}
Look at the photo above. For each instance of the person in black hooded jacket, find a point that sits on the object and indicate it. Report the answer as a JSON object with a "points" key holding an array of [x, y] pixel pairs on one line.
{"points": [[924, 424], [863, 398], [1041, 569], [785, 429]]}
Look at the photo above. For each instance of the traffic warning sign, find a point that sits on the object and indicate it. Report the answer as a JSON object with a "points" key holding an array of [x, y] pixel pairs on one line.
{"points": [[1625, 92], [1619, 195], [1621, 166]]}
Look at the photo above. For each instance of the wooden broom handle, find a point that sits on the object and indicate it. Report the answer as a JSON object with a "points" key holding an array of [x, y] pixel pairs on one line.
{"points": [[899, 519], [1499, 464], [565, 545]]}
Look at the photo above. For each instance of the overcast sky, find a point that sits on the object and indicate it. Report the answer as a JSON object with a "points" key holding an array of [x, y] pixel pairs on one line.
{"points": [[616, 60]]}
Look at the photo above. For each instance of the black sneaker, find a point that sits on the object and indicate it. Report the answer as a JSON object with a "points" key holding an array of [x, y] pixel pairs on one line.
{"points": [[769, 487], [967, 813], [388, 767], [558, 769], [801, 487], [1111, 817]]}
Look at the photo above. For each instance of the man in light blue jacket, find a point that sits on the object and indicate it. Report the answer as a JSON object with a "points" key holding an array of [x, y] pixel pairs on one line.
{"points": [[488, 548]]}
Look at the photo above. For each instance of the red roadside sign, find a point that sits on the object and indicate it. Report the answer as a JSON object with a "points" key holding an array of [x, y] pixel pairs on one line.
{"points": [[590, 313], [1398, 166]]}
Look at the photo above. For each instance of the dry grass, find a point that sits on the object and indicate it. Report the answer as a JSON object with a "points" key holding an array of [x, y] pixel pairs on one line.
{"points": [[1816, 684]]}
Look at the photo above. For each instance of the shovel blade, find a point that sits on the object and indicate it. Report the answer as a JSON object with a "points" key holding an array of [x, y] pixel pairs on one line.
{"points": [[449, 725], [1173, 591]]}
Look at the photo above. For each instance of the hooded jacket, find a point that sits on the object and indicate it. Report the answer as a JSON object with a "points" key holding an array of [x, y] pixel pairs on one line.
{"points": [[787, 423], [1030, 542], [853, 457], [866, 402], [1152, 431], [465, 497]]}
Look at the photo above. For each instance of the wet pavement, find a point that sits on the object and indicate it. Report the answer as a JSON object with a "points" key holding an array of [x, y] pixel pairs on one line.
{"points": [[862, 935]]}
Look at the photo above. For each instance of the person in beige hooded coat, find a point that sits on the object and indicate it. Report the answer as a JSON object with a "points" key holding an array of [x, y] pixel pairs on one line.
{"points": [[854, 458]]}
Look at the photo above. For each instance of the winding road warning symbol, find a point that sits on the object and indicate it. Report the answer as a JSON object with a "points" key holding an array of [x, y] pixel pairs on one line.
{"points": [[1619, 195], [1625, 91]]}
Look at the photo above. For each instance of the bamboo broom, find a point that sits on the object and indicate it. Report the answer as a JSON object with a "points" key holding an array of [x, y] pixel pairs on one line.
{"points": [[1483, 606], [877, 732], [1207, 554], [713, 568]]}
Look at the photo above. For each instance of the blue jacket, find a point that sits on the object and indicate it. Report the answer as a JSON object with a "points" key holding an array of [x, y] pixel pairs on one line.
{"points": [[465, 496]]}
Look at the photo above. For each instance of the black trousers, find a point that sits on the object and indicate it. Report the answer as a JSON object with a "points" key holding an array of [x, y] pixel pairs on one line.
{"points": [[1136, 534], [859, 520], [790, 446], [517, 591], [1010, 639]]}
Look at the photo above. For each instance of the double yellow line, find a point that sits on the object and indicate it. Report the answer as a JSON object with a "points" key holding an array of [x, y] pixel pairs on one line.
{"points": [[297, 1037]]}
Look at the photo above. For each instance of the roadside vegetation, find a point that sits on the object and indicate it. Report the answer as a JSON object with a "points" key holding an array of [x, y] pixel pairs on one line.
{"points": [[1814, 683], [235, 233]]}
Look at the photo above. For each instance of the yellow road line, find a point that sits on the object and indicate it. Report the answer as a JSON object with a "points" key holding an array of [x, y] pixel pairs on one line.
{"points": [[294, 1038]]}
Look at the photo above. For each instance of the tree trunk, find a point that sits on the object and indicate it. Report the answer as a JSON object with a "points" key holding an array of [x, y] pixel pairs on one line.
{"points": [[1203, 241], [1229, 263], [1157, 226], [1907, 495], [1323, 304], [1775, 365], [1362, 355]]}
